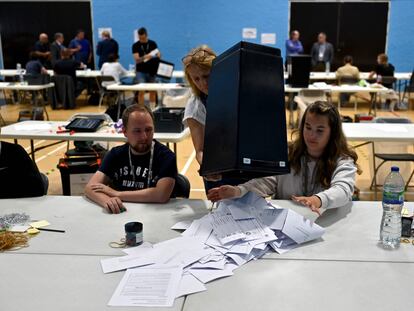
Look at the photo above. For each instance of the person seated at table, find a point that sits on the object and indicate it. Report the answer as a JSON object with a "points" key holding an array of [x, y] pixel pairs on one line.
{"points": [[113, 68], [347, 72], [142, 170], [68, 66], [19, 175], [322, 165], [383, 71], [34, 66], [197, 65]]}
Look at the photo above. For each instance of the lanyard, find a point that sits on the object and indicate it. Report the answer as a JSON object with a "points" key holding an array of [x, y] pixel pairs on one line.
{"points": [[305, 190], [150, 164]]}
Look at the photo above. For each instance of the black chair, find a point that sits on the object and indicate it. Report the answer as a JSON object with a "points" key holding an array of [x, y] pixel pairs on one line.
{"points": [[64, 92], [45, 183], [182, 187], [394, 157]]}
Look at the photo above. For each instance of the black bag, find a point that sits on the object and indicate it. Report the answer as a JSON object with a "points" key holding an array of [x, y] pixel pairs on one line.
{"points": [[112, 111], [94, 99]]}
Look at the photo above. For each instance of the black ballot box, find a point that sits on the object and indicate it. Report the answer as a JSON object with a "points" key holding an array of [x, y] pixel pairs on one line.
{"points": [[169, 120], [245, 133], [298, 68], [76, 169]]}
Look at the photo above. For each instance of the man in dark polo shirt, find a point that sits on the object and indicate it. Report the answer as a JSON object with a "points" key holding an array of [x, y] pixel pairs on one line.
{"points": [[42, 50], [146, 56], [142, 170]]}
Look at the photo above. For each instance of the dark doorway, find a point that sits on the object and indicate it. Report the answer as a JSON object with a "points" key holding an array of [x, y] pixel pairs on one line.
{"points": [[354, 28], [22, 22]]}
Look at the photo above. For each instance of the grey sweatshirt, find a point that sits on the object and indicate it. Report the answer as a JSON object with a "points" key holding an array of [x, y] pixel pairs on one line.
{"points": [[284, 186]]}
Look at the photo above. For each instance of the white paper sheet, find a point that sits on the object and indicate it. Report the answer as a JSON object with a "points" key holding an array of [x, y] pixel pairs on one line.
{"points": [[189, 285], [300, 229], [249, 33], [209, 275], [274, 218], [138, 250], [125, 262], [226, 228], [148, 287], [182, 225]]}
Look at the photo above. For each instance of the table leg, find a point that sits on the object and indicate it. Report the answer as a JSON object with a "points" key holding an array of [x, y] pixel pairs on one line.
{"points": [[32, 150], [175, 148], [118, 114]]}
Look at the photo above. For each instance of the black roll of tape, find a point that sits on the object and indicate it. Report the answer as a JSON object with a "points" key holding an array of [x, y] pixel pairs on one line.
{"points": [[133, 233]]}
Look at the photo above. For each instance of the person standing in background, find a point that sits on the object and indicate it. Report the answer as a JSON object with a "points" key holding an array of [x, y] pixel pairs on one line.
{"points": [[42, 50], [322, 54], [293, 45], [146, 56], [83, 48], [106, 47]]}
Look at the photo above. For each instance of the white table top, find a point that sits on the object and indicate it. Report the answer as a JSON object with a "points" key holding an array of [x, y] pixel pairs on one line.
{"points": [[145, 87], [59, 282], [379, 132], [88, 73], [32, 130], [24, 87], [338, 88], [291, 285], [362, 75], [345, 265]]}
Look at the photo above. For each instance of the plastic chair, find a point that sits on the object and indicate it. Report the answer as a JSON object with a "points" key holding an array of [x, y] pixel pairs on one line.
{"points": [[103, 82], [394, 157], [182, 187]]}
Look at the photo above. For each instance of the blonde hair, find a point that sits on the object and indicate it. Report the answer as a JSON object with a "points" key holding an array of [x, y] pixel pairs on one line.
{"points": [[201, 56]]}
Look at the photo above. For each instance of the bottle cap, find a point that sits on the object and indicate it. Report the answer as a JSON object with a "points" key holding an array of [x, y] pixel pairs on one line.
{"points": [[395, 169]]}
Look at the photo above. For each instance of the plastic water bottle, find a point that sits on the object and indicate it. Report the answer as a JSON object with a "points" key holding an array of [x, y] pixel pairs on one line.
{"points": [[20, 72], [392, 203], [327, 67]]}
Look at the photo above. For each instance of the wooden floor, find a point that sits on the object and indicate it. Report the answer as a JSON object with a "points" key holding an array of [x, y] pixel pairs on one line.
{"points": [[48, 158]]}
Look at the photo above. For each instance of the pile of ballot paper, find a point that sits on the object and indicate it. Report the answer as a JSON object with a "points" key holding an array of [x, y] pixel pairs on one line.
{"points": [[210, 248]]}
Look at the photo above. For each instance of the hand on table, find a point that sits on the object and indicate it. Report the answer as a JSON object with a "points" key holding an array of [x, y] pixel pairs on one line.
{"points": [[114, 205], [313, 202], [223, 192]]}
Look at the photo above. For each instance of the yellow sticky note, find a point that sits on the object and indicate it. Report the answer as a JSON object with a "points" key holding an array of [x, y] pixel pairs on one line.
{"points": [[40, 224], [32, 231]]}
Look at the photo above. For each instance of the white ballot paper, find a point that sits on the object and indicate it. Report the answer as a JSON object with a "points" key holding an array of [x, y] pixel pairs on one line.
{"points": [[301, 229], [210, 248], [148, 287]]}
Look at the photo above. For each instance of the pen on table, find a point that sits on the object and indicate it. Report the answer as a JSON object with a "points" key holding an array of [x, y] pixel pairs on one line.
{"points": [[51, 230]]}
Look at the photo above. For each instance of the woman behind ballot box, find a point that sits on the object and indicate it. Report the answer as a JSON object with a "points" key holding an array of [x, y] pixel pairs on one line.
{"points": [[197, 66], [322, 164]]}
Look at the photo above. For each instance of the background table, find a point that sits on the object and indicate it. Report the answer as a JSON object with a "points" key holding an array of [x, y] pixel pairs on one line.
{"points": [[105, 133]]}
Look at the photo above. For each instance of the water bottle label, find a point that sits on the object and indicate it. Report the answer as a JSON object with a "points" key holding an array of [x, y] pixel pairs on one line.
{"points": [[393, 197]]}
